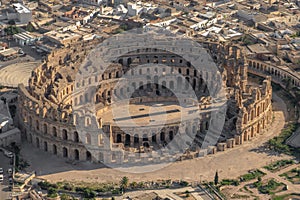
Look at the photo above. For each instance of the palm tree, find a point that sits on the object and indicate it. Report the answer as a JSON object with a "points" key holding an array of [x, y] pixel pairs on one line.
{"points": [[124, 183]]}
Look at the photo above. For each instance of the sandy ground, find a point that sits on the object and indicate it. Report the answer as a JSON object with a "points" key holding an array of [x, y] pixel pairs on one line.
{"points": [[230, 164]]}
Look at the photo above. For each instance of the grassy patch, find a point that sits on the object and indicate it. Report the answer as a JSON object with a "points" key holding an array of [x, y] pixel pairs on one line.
{"points": [[278, 143], [254, 174], [233, 182], [293, 176], [278, 165], [270, 187]]}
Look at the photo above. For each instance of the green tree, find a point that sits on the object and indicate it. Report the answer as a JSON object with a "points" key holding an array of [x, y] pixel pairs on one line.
{"points": [[89, 193], [11, 30], [216, 180], [11, 22], [124, 183]]}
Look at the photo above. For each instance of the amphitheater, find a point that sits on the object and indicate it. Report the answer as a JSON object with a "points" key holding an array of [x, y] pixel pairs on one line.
{"points": [[14, 74], [80, 112]]}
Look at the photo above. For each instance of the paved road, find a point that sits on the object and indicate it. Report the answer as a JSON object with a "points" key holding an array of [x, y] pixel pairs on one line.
{"points": [[4, 190]]}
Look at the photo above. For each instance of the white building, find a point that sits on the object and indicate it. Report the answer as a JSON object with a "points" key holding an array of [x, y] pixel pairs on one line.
{"points": [[26, 38], [21, 14], [8, 133]]}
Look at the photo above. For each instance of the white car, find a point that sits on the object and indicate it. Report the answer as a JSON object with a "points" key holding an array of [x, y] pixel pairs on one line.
{"points": [[8, 154], [1, 170], [10, 171], [1, 177]]}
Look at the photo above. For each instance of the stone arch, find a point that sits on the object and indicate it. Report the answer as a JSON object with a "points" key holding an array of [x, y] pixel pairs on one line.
{"points": [[45, 146], [171, 135], [45, 129], [76, 154], [119, 138], [162, 136], [65, 152], [64, 134], [136, 139], [88, 156], [76, 136], [37, 125], [54, 149], [127, 140], [54, 131], [153, 138]]}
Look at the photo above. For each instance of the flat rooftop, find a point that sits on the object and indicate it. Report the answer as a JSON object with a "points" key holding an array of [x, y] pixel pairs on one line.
{"points": [[20, 8]]}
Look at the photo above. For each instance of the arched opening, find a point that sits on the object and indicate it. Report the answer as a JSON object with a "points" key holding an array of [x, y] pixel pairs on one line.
{"points": [[146, 144], [136, 139], [171, 135], [76, 137], [187, 83], [162, 136], [37, 125], [45, 129], [76, 154], [88, 156], [154, 138], [54, 149], [119, 138], [127, 140], [64, 134], [65, 152], [129, 61], [45, 146], [194, 84], [145, 137]]}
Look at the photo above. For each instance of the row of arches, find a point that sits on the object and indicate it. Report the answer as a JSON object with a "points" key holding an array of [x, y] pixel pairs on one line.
{"points": [[64, 151], [136, 139], [180, 84], [255, 112], [273, 71]]}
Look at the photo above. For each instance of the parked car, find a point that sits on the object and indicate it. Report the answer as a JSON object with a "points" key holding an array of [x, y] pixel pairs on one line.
{"points": [[8, 154], [1, 170], [10, 171], [1, 178], [10, 180]]}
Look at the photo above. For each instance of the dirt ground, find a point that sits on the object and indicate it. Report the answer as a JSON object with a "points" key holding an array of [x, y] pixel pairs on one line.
{"points": [[229, 164]]}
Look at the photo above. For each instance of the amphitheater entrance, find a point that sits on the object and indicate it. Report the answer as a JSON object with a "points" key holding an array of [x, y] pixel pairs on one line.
{"points": [[45, 146], [76, 154], [136, 139], [88, 156], [146, 144], [127, 140], [119, 138], [154, 138], [54, 149], [65, 152]]}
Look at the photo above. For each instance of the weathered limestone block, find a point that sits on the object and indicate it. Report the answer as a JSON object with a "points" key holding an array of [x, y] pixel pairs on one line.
{"points": [[221, 146]]}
